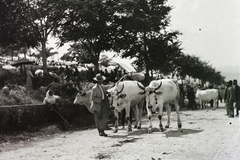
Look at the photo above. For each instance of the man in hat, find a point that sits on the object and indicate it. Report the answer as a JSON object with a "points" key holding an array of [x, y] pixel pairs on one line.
{"points": [[99, 104]]}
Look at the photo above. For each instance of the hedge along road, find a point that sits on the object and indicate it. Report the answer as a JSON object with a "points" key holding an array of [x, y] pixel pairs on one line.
{"points": [[206, 134]]}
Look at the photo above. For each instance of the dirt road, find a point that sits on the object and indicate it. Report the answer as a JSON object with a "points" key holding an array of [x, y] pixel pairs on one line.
{"points": [[205, 135]]}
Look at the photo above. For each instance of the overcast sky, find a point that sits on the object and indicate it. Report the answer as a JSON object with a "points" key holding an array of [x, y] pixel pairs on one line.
{"points": [[211, 30]]}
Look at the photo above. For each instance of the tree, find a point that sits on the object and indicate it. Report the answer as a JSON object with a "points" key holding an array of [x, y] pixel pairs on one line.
{"points": [[16, 28], [27, 23], [89, 24], [77, 52], [143, 33], [47, 16], [48, 52]]}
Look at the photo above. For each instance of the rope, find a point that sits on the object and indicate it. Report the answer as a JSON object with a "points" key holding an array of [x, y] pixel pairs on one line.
{"points": [[60, 115]]}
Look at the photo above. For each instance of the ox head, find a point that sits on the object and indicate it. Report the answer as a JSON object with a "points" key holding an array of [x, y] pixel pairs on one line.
{"points": [[152, 91], [153, 88], [79, 99], [83, 95]]}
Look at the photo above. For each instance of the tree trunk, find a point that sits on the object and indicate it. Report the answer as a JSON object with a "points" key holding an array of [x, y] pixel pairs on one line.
{"points": [[44, 56], [147, 77], [96, 65]]}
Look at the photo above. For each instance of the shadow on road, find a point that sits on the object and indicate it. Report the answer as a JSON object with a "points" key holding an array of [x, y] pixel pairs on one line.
{"points": [[181, 132]]}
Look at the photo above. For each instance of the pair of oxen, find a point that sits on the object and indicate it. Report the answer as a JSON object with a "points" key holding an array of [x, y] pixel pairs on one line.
{"points": [[132, 94]]}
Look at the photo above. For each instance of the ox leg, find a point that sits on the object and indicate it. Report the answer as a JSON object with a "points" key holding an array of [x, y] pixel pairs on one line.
{"points": [[177, 107], [149, 112], [215, 103], [160, 118], [134, 109], [128, 119], [168, 109], [137, 112], [116, 117], [201, 104], [140, 108]]}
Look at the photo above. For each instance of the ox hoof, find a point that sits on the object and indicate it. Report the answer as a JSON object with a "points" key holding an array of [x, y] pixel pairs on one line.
{"points": [[129, 129], [135, 126], [115, 131], [139, 127], [179, 125], [167, 126]]}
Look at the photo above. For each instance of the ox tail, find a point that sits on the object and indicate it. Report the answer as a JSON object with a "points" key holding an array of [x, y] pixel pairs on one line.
{"points": [[178, 90]]}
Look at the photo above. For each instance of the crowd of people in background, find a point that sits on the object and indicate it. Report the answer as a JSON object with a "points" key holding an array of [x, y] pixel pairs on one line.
{"points": [[67, 77], [232, 98]]}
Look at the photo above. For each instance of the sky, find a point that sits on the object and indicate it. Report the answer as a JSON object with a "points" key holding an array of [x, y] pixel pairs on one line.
{"points": [[210, 30]]}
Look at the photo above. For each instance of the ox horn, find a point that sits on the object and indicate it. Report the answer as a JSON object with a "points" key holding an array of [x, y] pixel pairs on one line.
{"points": [[140, 86], [118, 92], [158, 86]]}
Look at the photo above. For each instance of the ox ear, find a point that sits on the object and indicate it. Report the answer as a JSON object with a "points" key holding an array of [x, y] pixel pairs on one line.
{"points": [[142, 93], [158, 92], [122, 96]]}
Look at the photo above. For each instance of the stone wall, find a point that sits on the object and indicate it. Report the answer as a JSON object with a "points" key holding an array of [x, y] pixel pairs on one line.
{"points": [[32, 117]]}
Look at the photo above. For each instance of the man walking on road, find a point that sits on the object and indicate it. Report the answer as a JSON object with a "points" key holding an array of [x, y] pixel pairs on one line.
{"points": [[229, 100], [236, 91]]}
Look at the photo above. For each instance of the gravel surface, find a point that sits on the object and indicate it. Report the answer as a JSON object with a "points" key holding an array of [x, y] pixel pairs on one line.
{"points": [[206, 135]]}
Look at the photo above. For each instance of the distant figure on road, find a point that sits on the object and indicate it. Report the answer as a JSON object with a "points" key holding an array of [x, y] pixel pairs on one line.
{"points": [[191, 99], [236, 90], [229, 100]]}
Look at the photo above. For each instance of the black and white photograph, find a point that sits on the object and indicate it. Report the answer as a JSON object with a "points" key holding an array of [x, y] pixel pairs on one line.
{"points": [[119, 79]]}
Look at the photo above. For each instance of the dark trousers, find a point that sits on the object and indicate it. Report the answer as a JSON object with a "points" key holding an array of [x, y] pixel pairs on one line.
{"points": [[230, 108], [191, 104]]}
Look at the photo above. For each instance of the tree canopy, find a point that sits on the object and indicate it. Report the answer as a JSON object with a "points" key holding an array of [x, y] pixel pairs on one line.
{"points": [[137, 29]]}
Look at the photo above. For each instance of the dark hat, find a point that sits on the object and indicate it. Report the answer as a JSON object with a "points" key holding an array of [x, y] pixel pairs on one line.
{"points": [[99, 77]]}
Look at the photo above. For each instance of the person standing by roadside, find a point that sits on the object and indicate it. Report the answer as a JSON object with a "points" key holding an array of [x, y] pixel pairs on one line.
{"points": [[229, 100], [236, 90], [100, 105], [191, 99], [29, 84]]}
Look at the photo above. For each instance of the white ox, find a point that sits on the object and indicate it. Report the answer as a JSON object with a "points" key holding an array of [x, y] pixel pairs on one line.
{"points": [[83, 97], [207, 95], [161, 93], [127, 94]]}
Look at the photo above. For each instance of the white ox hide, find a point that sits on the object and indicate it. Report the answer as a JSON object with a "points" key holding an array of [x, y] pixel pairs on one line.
{"points": [[83, 97], [127, 94], [161, 93], [207, 95]]}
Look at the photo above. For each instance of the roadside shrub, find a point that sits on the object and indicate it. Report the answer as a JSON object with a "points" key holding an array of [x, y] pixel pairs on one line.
{"points": [[19, 97]]}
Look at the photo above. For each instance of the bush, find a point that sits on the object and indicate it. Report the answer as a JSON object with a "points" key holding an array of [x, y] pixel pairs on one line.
{"points": [[19, 97], [24, 111]]}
